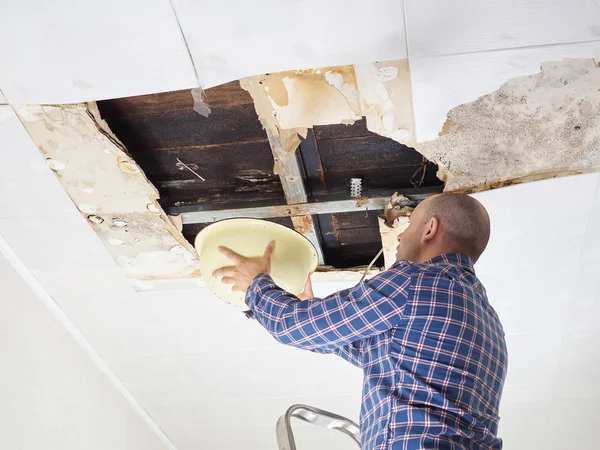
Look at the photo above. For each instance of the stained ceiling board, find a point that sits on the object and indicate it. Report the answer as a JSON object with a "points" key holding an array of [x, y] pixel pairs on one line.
{"points": [[68, 52], [441, 83], [29, 174], [437, 27], [231, 39], [33, 203]]}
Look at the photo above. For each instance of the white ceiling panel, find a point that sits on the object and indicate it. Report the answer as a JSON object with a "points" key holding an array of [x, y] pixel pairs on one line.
{"points": [[592, 244], [252, 412], [2, 99], [29, 189], [529, 300], [68, 52], [236, 374], [441, 83], [67, 256], [530, 229], [259, 438], [440, 27], [533, 357], [585, 312], [524, 415], [573, 414], [579, 361], [231, 39]]}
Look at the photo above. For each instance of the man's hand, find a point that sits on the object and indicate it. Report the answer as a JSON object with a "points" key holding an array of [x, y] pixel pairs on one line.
{"points": [[246, 269]]}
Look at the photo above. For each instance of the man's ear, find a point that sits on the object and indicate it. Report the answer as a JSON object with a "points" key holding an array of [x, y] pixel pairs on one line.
{"points": [[430, 230]]}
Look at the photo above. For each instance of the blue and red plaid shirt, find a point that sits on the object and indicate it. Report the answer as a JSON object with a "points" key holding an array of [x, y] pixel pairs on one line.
{"points": [[431, 348]]}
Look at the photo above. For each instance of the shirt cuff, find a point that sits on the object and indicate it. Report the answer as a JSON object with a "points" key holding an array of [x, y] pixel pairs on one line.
{"points": [[254, 288]]}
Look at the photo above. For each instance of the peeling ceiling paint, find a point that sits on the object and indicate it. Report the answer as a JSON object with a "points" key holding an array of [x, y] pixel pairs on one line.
{"points": [[380, 92], [533, 127], [109, 189]]}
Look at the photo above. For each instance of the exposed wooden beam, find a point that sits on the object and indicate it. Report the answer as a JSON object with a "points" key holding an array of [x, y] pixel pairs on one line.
{"points": [[295, 193]]}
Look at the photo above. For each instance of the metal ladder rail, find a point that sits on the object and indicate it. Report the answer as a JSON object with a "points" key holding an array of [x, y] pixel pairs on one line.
{"points": [[315, 416]]}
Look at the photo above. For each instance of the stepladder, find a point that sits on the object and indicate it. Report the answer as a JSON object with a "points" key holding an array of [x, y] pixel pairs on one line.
{"points": [[317, 417]]}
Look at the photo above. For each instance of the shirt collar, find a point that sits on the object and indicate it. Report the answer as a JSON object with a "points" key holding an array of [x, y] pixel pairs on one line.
{"points": [[453, 258]]}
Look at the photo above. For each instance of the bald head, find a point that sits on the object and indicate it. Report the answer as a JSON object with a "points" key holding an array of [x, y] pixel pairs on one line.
{"points": [[446, 223], [463, 221]]}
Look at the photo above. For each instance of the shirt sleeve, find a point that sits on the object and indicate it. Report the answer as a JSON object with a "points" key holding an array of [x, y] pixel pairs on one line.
{"points": [[351, 352], [369, 308]]}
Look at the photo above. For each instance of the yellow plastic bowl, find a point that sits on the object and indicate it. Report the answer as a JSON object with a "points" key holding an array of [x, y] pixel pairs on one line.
{"points": [[294, 257]]}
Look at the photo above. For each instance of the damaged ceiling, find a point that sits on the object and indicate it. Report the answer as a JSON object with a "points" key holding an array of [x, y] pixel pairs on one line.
{"points": [[226, 161], [149, 172]]}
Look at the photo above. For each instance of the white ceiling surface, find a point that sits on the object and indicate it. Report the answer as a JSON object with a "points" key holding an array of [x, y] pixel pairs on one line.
{"points": [[458, 50], [442, 82], [461, 50], [211, 378], [237, 38], [49, 385], [68, 52]]}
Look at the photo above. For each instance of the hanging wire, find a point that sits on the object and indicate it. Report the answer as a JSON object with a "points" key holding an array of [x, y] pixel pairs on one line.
{"points": [[421, 170], [371, 265]]}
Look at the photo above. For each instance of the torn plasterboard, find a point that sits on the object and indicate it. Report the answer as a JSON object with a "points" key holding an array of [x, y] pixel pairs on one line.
{"points": [[394, 220], [109, 189], [389, 238], [283, 141], [298, 100], [533, 127]]}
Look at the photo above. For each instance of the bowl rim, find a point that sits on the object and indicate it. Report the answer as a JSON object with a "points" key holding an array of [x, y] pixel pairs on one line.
{"points": [[202, 235]]}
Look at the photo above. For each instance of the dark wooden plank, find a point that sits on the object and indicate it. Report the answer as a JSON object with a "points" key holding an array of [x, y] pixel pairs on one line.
{"points": [[247, 162], [226, 95], [360, 246], [187, 128], [221, 193], [310, 158], [329, 239], [327, 132], [381, 179], [366, 153], [147, 104], [357, 220]]}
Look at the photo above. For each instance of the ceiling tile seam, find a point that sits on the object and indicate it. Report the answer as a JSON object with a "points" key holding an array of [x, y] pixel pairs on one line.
{"points": [[183, 36], [562, 352], [48, 301], [412, 88], [581, 264], [500, 50]]}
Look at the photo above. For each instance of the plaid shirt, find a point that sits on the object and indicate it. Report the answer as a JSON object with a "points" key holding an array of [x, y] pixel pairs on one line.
{"points": [[431, 348]]}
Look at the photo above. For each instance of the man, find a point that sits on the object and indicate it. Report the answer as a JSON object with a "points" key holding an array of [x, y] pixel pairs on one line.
{"points": [[431, 347]]}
